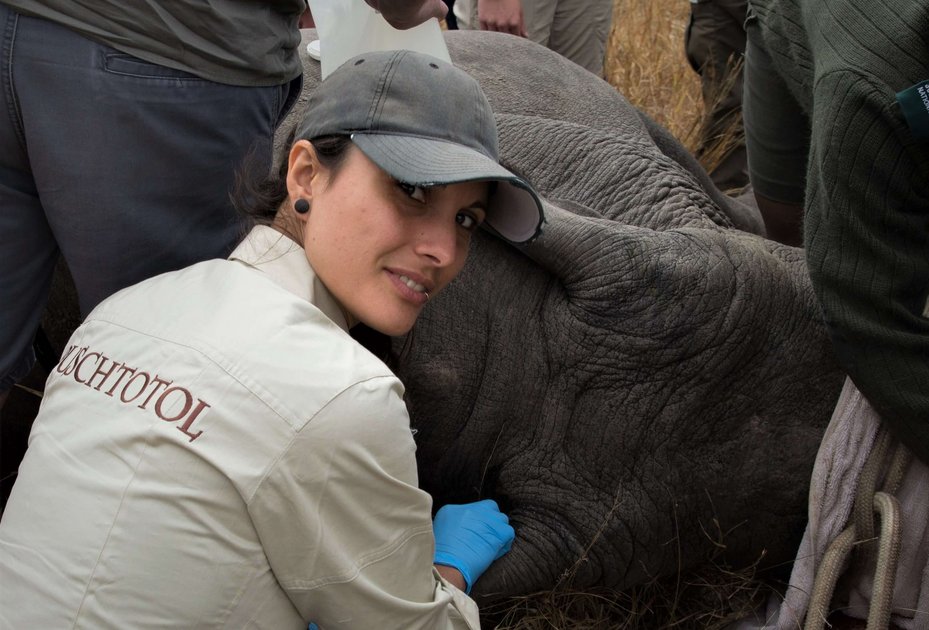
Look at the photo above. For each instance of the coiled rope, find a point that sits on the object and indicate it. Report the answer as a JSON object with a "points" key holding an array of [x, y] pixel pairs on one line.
{"points": [[861, 534]]}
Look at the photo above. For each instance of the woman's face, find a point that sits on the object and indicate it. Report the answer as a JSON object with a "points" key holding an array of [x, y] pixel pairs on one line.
{"points": [[380, 246]]}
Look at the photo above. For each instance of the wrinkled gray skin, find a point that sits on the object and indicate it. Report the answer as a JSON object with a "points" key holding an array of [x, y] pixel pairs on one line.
{"points": [[645, 380]]}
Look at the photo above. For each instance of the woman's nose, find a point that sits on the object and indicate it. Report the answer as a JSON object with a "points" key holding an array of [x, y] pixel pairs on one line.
{"points": [[438, 240]]}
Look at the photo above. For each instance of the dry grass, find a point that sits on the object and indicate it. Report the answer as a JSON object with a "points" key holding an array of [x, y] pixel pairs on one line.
{"points": [[709, 600], [645, 61]]}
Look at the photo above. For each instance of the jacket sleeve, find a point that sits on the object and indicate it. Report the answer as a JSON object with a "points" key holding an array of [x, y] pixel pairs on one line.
{"points": [[867, 242], [345, 528]]}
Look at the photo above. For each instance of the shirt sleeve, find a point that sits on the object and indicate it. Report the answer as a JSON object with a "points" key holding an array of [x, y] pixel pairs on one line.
{"points": [[345, 528], [867, 242]]}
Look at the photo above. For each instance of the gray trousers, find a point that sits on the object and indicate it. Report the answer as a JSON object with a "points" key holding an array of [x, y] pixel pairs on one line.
{"points": [[122, 166]]}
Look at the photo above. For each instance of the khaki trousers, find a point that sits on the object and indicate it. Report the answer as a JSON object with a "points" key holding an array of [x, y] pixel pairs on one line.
{"points": [[575, 29]]}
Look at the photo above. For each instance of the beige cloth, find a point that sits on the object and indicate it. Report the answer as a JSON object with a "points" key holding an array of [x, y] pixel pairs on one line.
{"points": [[575, 29], [215, 451], [842, 454]]}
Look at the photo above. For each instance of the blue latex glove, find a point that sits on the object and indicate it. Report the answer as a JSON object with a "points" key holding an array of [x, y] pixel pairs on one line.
{"points": [[312, 626], [469, 537]]}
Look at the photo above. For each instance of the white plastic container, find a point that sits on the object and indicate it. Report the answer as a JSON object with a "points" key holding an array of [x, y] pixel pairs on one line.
{"points": [[350, 27]]}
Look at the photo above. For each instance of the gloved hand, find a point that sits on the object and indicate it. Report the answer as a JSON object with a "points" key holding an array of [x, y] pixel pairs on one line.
{"points": [[469, 537]]}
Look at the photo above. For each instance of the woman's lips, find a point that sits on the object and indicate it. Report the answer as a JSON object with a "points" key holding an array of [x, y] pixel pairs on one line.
{"points": [[409, 288], [412, 284]]}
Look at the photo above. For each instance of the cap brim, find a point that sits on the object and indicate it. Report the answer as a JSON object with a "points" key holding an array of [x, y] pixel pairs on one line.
{"points": [[514, 211]]}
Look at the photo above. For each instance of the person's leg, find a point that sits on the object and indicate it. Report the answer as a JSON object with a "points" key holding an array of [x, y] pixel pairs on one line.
{"points": [[579, 30], [27, 248], [538, 16], [777, 137], [715, 38], [466, 14], [133, 161], [715, 45]]}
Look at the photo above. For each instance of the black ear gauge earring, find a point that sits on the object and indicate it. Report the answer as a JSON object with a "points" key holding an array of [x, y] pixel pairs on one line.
{"points": [[302, 206]]}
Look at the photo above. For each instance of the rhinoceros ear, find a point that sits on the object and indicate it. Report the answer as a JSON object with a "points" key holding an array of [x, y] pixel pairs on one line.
{"points": [[581, 247]]}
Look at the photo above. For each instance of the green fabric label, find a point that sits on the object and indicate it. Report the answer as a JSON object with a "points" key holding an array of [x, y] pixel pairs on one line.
{"points": [[914, 101]]}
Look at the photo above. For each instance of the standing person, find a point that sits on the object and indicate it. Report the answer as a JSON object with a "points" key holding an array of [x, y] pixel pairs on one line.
{"points": [[575, 29], [124, 123], [214, 450], [715, 45], [837, 125]]}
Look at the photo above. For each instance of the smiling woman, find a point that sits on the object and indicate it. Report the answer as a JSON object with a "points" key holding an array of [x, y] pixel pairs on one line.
{"points": [[215, 450], [400, 181]]}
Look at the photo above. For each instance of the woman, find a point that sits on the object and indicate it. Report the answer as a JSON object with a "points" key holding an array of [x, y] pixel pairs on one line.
{"points": [[214, 450]]}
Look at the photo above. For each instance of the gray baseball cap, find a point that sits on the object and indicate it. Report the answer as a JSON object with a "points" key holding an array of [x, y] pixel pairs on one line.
{"points": [[426, 123]]}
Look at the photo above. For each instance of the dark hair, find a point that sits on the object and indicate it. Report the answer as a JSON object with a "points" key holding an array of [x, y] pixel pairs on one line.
{"points": [[258, 196]]}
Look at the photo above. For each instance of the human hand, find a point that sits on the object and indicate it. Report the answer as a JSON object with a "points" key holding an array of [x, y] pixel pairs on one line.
{"points": [[469, 537], [404, 14], [503, 16]]}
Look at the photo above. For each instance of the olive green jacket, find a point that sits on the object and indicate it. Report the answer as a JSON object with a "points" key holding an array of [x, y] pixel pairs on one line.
{"points": [[867, 189]]}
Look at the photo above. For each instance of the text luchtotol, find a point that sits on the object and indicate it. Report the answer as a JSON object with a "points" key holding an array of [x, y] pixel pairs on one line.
{"points": [[131, 386]]}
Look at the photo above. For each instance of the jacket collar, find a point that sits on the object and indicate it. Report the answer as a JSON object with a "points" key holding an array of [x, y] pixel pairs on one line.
{"points": [[285, 263]]}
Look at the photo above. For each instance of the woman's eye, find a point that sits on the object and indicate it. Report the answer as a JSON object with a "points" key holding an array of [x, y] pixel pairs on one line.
{"points": [[412, 191], [467, 221]]}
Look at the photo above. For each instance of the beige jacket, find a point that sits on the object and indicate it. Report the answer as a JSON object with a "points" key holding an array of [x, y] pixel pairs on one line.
{"points": [[214, 451]]}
